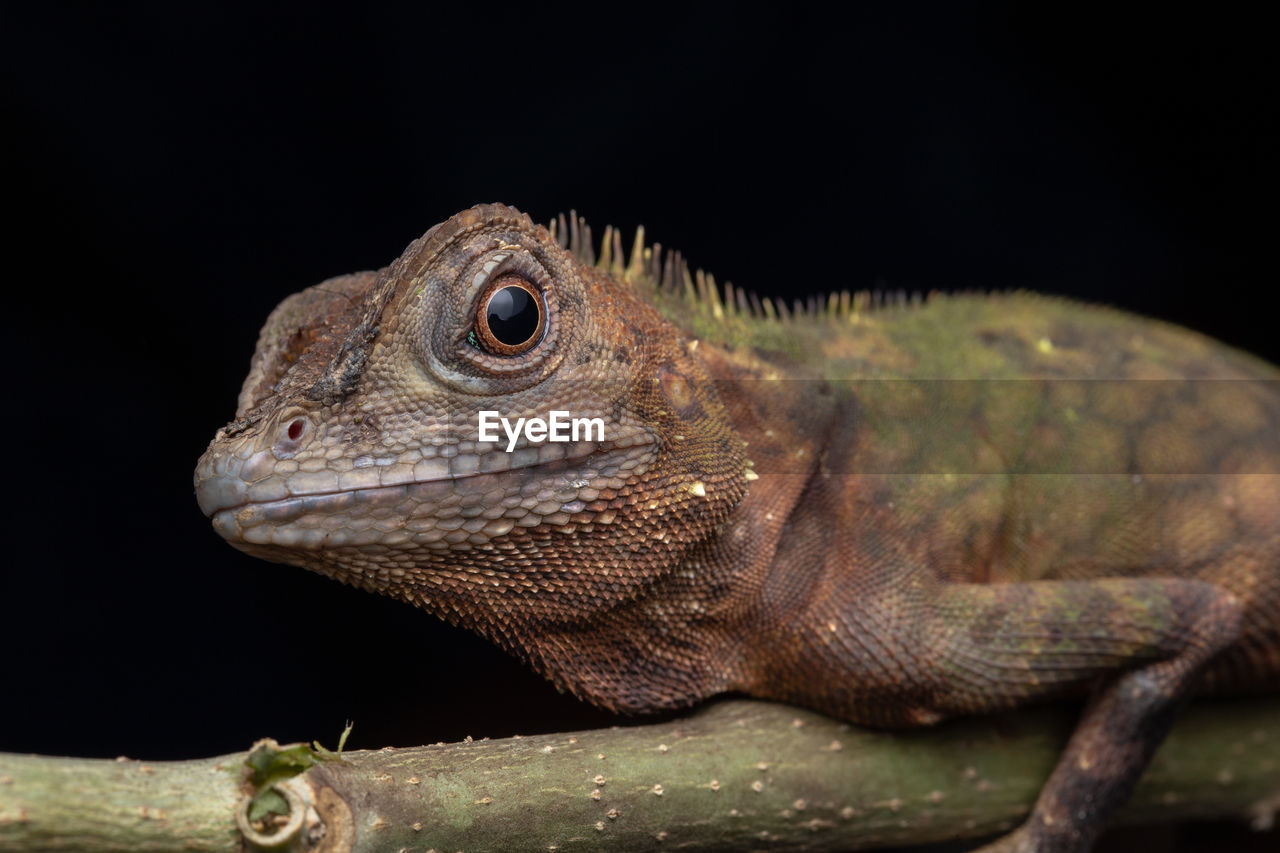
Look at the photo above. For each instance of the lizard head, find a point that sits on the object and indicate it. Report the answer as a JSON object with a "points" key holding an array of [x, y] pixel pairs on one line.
{"points": [[357, 449]]}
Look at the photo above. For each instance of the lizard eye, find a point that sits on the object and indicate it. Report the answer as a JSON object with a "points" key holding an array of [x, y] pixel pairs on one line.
{"points": [[512, 318]]}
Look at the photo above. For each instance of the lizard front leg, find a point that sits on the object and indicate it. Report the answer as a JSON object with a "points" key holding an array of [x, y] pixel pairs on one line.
{"points": [[1141, 642], [919, 650]]}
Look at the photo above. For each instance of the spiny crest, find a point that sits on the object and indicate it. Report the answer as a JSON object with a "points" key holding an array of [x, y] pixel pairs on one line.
{"points": [[667, 274]]}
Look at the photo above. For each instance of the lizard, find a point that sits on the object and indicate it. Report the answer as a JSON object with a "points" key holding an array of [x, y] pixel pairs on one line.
{"points": [[890, 510]]}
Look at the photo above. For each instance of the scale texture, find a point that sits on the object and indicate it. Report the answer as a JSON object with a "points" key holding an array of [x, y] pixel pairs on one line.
{"points": [[890, 510]]}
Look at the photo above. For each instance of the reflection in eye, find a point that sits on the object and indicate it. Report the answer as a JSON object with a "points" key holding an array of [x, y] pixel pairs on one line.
{"points": [[512, 318], [514, 315]]}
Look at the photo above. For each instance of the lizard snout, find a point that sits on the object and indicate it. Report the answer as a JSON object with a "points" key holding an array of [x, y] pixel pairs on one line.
{"points": [[234, 472]]}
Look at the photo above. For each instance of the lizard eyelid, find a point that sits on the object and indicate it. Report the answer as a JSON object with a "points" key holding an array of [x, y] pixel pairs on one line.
{"points": [[521, 345]]}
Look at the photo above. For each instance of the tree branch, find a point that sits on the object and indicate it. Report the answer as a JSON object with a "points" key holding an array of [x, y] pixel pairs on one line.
{"points": [[735, 774]]}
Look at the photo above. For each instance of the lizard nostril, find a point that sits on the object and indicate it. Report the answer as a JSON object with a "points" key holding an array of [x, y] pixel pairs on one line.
{"points": [[290, 435]]}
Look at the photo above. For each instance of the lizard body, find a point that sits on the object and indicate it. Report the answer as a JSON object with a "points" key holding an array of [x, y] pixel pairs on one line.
{"points": [[891, 513]]}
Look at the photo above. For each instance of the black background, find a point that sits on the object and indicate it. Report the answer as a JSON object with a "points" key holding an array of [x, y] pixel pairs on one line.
{"points": [[174, 175]]}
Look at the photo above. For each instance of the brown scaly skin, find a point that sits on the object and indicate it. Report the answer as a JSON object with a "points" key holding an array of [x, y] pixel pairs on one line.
{"points": [[891, 515]]}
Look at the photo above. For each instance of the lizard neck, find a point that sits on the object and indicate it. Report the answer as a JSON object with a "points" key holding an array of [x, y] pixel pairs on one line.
{"points": [[694, 631], [749, 607], [825, 563]]}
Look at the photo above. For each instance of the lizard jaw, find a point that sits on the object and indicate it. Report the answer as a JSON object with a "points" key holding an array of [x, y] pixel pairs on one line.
{"points": [[547, 485], [231, 478]]}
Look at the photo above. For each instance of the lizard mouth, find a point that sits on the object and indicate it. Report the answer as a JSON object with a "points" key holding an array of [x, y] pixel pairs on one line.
{"points": [[468, 502]]}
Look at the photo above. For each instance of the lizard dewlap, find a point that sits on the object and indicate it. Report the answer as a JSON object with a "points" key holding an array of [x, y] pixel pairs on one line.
{"points": [[891, 511]]}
